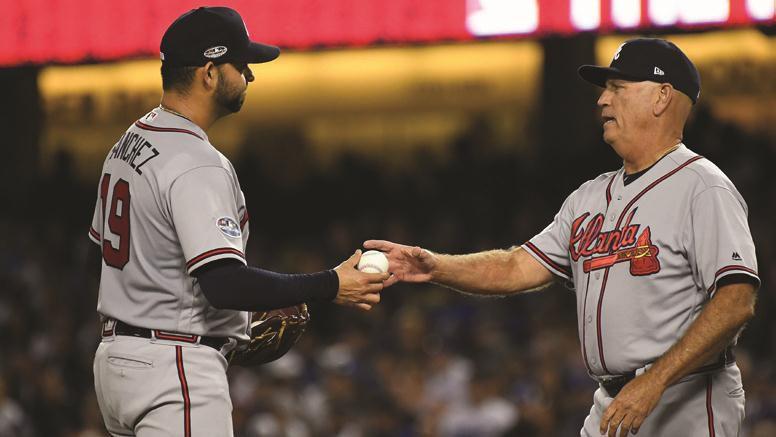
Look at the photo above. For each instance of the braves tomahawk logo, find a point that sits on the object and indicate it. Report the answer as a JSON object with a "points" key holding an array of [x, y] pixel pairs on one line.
{"points": [[615, 246]]}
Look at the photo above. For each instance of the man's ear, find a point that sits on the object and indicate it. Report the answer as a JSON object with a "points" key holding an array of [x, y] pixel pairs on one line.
{"points": [[210, 76], [663, 98]]}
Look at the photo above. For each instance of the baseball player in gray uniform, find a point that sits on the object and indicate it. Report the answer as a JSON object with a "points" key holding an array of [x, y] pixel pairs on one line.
{"points": [[659, 253], [172, 226]]}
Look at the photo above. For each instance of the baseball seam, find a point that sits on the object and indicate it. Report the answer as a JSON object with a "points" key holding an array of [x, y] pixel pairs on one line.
{"points": [[374, 266]]}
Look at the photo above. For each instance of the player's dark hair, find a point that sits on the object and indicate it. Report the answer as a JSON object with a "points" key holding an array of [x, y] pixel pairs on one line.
{"points": [[177, 78]]}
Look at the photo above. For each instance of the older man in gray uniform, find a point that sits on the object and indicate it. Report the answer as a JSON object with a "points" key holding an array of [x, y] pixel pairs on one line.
{"points": [[659, 253], [172, 226]]}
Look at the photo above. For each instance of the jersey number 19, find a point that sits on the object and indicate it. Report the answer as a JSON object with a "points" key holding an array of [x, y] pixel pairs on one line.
{"points": [[117, 220]]}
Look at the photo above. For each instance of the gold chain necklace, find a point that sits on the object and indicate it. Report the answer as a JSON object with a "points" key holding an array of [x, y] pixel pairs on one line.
{"points": [[174, 112], [669, 151]]}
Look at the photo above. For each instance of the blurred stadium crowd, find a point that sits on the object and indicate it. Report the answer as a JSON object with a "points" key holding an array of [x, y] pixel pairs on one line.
{"points": [[426, 361]]}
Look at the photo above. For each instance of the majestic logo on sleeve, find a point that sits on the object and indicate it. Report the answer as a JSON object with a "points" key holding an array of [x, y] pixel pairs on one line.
{"points": [[615, 246]]}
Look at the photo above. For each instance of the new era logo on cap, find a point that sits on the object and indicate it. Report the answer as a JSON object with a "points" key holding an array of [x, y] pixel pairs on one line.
{"points": [[659, 72]]}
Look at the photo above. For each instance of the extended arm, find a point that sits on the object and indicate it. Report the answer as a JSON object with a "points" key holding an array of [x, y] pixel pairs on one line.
{"points": [[493, 272], [715, 328], [229, 284]]}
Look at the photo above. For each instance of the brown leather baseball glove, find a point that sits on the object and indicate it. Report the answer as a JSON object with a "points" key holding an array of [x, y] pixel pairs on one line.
{"points": [[273, 333]]}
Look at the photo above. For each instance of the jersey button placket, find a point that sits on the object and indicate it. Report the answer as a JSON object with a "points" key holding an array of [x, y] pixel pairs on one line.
{"points": [[591, 336], [612, 212]]}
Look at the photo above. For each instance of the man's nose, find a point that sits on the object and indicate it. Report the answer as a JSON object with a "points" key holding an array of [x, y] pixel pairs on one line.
{"points": [[248, 75], [603, 99]]}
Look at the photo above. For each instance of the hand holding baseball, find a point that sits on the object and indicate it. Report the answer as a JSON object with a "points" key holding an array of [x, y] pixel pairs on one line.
{"points": [[373, 261], [356, 288], [406, 263]]}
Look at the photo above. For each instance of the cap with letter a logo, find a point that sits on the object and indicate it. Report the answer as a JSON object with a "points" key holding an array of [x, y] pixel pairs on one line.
{"points": [[216, 34], [651, 59]]}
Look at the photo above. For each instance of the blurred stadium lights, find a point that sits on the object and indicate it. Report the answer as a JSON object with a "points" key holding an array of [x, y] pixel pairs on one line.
{"points": [[498, 17], [626, 13], [375, 97], [77, 31], [586, 14], [361, 100], [670, 12], [526, 17], [761, 9]]}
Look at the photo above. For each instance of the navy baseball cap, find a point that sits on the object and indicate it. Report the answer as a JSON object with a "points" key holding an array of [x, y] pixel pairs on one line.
{"points": [[216, 34], [651, 59]]}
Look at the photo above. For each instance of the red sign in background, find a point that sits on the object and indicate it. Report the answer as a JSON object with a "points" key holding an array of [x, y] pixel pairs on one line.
{"points": [[73, 31]]}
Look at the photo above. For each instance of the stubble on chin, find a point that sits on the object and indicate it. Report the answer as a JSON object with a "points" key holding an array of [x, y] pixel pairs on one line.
{"points": [[230, 104], [240, 102], [228, 99]]}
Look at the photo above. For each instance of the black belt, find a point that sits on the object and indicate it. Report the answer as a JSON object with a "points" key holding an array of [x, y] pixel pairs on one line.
{"points": [[614, 384], [117, 327]]}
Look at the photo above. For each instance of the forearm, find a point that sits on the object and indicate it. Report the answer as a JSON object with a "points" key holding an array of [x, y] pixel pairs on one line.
{"points": [[714, 329], [493, 272], [238, 287]]}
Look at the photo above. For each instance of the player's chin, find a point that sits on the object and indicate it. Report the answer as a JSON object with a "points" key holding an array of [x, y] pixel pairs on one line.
{"points": [[609, 135], [236, 104]]}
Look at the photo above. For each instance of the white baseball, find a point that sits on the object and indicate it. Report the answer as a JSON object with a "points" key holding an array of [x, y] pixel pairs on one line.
{"points": [[373, 261]]}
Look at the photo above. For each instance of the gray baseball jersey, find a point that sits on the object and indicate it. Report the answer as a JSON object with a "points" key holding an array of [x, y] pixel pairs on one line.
{"points": [[168, 202], [645, 257]]}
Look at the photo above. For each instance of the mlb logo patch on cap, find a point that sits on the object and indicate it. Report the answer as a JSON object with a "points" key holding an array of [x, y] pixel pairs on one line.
{"points": [[215, 52]]}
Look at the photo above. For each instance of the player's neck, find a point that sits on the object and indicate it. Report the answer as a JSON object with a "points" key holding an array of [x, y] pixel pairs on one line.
{"points": [[648, 157], [197, 113]]}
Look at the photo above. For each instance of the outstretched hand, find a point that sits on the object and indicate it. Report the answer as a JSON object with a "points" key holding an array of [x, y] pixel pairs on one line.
{"points": [[406, 263], [358, 289]]}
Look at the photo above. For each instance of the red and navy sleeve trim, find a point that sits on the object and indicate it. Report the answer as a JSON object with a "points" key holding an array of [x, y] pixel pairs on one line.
{"points": [[728, 270], [95, 236], [213, 253], [558, 269], [144, 126]]}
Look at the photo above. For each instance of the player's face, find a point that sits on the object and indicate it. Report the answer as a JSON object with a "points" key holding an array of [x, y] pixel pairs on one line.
{"points": [[626, 110], [232, 86]]}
